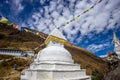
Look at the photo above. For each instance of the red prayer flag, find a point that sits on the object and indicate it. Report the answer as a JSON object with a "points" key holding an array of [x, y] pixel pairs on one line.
{"points": [[15, 26], [99, 1], [71, 20]]}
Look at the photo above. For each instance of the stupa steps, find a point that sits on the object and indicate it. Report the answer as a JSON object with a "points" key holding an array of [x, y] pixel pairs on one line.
{"points": [[55, 66], [81, 78], [73, 74], [57, 75], [55, 70]]}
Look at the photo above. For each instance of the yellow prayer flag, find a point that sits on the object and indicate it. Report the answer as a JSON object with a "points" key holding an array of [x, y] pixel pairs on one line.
{"points": [[26, 30], [76, 18], [89, 9], [65, 24], [37, 33]]}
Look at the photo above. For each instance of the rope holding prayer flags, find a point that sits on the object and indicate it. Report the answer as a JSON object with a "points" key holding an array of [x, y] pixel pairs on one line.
{"points": [[76, 17]]}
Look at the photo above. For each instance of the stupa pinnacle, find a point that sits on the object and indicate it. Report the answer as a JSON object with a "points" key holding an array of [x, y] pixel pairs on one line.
{"points": [[55, 35], [116, 45]]}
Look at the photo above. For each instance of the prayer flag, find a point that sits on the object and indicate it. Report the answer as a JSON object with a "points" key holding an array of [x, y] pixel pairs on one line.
{"points": [[37, 33], [89, 9], [71, 20], [65, 24], [99, 1], [26, 30], [15, 26], [84, 11], [5, 20], [76, 18], [92, 6]]}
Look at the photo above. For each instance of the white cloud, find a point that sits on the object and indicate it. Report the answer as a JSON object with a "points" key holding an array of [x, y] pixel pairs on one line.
{"points": [[6, 1], [42, 1], [17, 6], [104, 15], [97, 47], [103, 56]]}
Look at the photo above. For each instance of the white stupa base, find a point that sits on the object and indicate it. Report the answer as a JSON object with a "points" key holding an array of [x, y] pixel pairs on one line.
{"points": [[50, 71], [118, 53]]}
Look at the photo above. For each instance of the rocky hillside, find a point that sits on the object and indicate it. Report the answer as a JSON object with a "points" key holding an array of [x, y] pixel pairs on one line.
{"points": [[114, 74], [87, 59], [7, 69], [15, 39]]}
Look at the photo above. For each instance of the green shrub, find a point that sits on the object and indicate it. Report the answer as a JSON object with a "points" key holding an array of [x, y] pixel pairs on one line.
{"points": [[97, 75]]}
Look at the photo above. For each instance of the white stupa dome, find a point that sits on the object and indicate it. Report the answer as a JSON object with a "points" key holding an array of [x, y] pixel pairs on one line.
{"points": [[54, 54], [55, 51]]}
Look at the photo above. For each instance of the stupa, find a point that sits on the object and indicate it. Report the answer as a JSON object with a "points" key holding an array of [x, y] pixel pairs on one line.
{"points": [[54, 62], [116, 45]]}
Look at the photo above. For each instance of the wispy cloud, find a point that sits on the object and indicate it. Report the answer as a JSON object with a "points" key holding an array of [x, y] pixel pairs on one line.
{"points": [[16, 6], [43, 15], [97, 47], [103, 56], [103, 16]]}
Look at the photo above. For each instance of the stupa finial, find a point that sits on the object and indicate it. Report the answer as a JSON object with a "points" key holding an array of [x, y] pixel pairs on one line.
{"points": [[55, 35], [114, 37]]}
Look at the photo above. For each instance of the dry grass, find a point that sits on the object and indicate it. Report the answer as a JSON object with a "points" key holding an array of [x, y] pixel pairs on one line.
{"points": [[11, 38], [7, 70], [87, 59]]}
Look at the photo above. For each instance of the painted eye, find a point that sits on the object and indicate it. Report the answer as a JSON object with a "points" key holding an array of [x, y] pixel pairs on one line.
{"points": [[53, 42]]}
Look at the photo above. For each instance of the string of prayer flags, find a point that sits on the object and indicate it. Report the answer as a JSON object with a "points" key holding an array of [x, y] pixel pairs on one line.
{"points": [[76, 17]]}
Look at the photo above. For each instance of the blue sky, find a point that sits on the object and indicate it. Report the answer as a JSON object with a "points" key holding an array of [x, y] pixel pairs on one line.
{"points": [[93, 30]]}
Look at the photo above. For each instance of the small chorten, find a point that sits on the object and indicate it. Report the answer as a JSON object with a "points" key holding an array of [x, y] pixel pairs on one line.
{"points": [[54, 62], [116, 45]]}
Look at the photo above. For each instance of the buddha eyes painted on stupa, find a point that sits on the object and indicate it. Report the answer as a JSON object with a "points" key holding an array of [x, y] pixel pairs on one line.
{"points": [[57, 43], [53, 42]]}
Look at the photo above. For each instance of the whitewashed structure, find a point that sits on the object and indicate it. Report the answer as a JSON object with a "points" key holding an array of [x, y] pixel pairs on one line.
{"points": [[116, 45], [15, 52], [54, 62]]}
